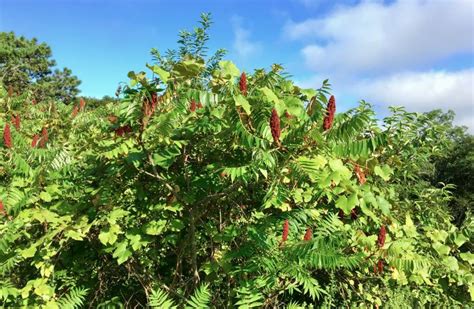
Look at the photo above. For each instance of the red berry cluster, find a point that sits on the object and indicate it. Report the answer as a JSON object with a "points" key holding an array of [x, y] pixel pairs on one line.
{"points": [[121, 131], [382, 235], [7, 136], [286, 229], [82, 104], [149, 106], [193, 106], [16, 122], [154, 101], [275, 126], [360, 174], [330, 112], [243, 84], [75, 110], [308, 235], [44, 138], [34, 142], [378, 267]]}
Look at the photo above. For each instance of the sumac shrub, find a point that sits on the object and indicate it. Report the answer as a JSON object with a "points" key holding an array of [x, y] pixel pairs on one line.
{"points": [[194, 208]]}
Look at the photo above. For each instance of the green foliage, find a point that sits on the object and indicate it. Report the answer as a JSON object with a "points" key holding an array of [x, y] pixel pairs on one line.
{"points": [[186, 208], [26, 66]]}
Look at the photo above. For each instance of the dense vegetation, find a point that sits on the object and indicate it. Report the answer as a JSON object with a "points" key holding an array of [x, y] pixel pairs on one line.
{"points": [[26, 66], [207, 186]]}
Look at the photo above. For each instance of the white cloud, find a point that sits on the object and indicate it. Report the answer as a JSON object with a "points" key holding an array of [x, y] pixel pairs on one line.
{"points": [[376, 37], [423, 91], [242, 44]]}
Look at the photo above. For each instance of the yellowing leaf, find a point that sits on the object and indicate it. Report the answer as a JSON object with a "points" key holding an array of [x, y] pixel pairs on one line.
{"points": [[228, 69], [161, 73], [30, 252], [440, 248], [45, 196], [240, 100], [468, 257]]}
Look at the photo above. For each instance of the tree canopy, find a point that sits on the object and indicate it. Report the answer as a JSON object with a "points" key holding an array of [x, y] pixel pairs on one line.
{"points": [[26, 65]]}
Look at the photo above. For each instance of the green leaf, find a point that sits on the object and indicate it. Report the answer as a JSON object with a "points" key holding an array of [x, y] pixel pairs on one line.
{"points": [[409, 228], [440, 248], [311, 166], [137, 78], [200, 299], [271, 97], [109, 235], [384, 172], [347, 204], [228, 69], [294, 106], [309, 93], [155, 227], [27, 253], [384, 205], [460, 239], [116, 214], [438, 235], [136, 241], [160, 72], [74, 235], [468, 257], [451, 263], [176, 225], [242, 101], [165, 157], [353, 200], [121, 252], [344, 204], [45, 196], [188, 68]]}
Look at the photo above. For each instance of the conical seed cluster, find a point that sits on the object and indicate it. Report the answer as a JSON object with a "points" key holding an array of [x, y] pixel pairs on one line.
{"points": [[243, 84], [360, 174], [16, 121], [34, 141], [75, 110], [382, 235], [121, 131], [7, 136], [154, 101], [330, 112], [193, 106], [308, 235], [380, 266], [286, 230], [44, 138], [275, 126], [82, 104]]}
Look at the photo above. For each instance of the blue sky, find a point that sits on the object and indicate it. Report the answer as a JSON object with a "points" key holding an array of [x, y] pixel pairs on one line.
{"points": [[417, 53]]}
